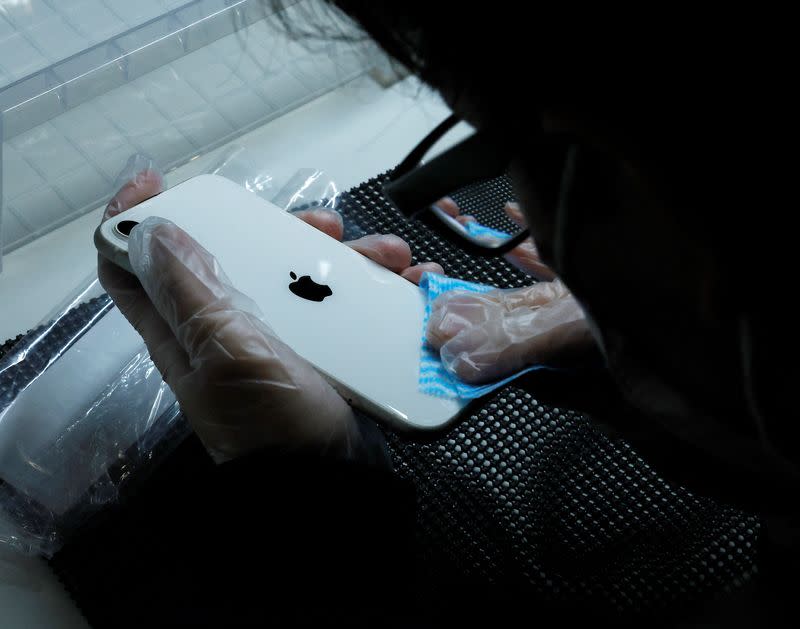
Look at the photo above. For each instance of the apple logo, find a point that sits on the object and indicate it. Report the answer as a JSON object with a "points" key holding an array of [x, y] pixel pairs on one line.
{"points": [[307, 288]]}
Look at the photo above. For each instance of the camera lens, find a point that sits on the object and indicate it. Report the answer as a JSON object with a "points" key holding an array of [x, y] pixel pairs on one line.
{"points": [[123, 228]]}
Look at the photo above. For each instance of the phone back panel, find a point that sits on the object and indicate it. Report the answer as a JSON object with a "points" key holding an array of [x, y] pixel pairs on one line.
{"points": [[359, 324]]}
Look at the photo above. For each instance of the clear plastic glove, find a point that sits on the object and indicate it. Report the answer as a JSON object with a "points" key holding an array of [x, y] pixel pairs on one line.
{"points": [[484, 337], [240, 387]]}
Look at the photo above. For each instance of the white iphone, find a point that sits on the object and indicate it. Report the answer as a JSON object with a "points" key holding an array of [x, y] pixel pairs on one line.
{"points": [[357, 323]]}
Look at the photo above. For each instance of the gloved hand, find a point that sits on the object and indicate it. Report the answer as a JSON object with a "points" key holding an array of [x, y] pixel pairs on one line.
{"points": [[240, 387], [482, 338]]}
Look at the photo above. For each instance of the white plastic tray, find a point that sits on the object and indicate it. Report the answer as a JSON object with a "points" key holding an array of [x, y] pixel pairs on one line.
{"points": [[172, 88]]}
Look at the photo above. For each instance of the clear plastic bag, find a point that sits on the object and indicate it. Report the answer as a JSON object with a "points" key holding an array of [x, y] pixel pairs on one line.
{"points": [[306, 188], [82, 406], [83, 410]]}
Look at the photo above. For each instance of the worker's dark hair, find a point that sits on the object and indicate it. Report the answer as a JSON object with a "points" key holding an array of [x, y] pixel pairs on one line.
{"points": [[671, 98]]}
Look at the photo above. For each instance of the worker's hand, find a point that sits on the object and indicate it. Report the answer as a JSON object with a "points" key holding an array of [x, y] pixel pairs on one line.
{"points": [[484, 337], [240, 387]]}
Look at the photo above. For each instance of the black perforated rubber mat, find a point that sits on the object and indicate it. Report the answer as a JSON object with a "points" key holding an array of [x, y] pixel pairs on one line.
{"points": [[536, 499]]}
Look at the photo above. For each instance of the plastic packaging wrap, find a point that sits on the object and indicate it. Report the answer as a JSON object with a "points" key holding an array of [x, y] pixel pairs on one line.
{"points": [[305, 189], [308, 187], [83, 411], [81, 406]]}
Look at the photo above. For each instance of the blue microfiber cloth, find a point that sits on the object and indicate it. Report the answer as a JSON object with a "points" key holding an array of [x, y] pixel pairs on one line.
{"points": [[434, 379], [477, 230]]}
